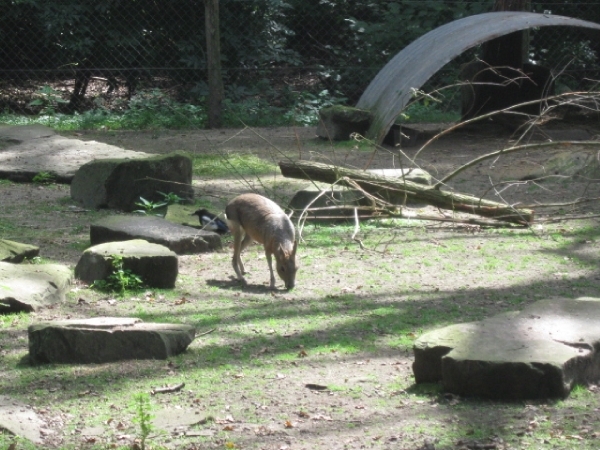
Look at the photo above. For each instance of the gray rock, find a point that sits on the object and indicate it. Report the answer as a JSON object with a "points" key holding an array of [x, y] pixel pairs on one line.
{"points": [[119, 183], [540, 352], [178, 238], [17, 134], [155, 264], [29, 150], [345, 199], [16, 252], [105, 339], [21, 420], [29, 287], [337, 123]]}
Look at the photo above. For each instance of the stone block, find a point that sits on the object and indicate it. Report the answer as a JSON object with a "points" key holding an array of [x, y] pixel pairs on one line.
{"points": [[29, 287], [119, 183], [181, 239], [105, 339], [540, 352], [155, 264]]}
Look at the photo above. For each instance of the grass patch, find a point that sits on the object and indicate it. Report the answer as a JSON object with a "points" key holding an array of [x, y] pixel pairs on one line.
{"points": [[211, 166]]}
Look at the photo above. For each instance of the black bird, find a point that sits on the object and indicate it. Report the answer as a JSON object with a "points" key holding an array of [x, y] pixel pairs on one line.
{"points": [[211, 222]]}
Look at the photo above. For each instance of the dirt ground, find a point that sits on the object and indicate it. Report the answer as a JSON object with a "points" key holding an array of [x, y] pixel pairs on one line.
{"points": [[371, 414]]}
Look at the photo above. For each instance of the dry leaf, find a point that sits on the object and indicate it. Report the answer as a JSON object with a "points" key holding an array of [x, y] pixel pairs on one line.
{"points": [[228, 428], [288, 424]]}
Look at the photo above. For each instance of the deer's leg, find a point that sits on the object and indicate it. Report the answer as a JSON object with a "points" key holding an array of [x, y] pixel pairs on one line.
{"points": [[244, 244], [238, 265], [270, 262]]}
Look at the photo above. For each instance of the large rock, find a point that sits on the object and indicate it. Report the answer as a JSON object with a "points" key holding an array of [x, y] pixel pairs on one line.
{"points": [[178, 238], [16, 252], [155, 264], [337, 123], [541, 352], [21, 420], [31, 149], [30, 287], [119, 183], [106, 339]]}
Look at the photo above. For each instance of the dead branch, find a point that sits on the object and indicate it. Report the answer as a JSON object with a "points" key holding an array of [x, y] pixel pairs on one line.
{"points": [[571, 98], [516, 148], [167, 389], [394, 191]]}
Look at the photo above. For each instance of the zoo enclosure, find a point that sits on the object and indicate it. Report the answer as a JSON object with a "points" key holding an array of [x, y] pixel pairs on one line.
{"points": [[103, 54]]}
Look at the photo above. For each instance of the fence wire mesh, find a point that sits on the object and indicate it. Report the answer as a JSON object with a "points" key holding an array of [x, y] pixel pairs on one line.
{"points": [[82, 55]]}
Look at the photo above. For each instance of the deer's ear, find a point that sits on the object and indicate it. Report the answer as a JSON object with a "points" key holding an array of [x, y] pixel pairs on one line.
{"points": [[295, 247]]}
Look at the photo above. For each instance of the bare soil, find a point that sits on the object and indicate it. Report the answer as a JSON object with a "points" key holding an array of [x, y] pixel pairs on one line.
{"points": [[323, 396]]}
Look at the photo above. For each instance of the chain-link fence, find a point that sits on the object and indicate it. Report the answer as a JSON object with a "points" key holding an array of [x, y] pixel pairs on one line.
{"points": [[80, 55]]}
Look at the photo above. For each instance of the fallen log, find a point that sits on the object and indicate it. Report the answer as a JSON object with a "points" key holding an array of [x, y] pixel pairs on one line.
{"points": [[395, 190]]}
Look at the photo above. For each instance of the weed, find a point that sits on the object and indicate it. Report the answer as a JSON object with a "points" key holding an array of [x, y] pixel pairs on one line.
{"points": [[149, 207], [120, 280], [44, 178], [143, 416], [48, 99], [170, 198]]}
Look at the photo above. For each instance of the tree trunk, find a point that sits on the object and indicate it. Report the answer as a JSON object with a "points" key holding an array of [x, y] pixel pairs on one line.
{"points": [[504, 59], [213, 62], [395, 190]]}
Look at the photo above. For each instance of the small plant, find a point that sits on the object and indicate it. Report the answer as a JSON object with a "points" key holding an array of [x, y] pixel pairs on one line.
{"points": [[171, 198], [49, 99], [120, 280], [149, 207], [143, 417], [44, 178]]}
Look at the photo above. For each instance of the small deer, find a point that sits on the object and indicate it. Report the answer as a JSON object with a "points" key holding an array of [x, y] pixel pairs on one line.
{"points": [[257, 218]]}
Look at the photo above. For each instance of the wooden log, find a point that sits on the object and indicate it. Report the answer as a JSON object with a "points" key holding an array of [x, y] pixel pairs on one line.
{"points": [[395, 190]]}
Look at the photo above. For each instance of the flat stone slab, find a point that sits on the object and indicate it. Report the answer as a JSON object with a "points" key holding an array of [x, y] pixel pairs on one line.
{"points": [[155, 264], [106, 339], [31, 149], [21, 420], [540, 352], [178, 238], [28, 287], [16, 252]]}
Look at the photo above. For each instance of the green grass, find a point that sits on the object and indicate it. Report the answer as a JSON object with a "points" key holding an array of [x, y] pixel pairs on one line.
{"points": [[257, 341], [211, 166]]}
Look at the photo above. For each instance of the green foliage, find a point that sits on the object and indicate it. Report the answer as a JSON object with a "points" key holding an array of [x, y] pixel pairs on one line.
{"points": [[149, 207], [306, 110], [143, 417], [48, 100], [155, 109], [170, 198], [44, 178], [120, 280]]}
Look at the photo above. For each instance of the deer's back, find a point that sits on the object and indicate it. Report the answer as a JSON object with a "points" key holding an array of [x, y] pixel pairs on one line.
{"points": [[261, 218]]}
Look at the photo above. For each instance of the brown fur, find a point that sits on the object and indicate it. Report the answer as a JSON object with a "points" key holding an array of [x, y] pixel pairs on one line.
{"points": [[252, 217]]}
